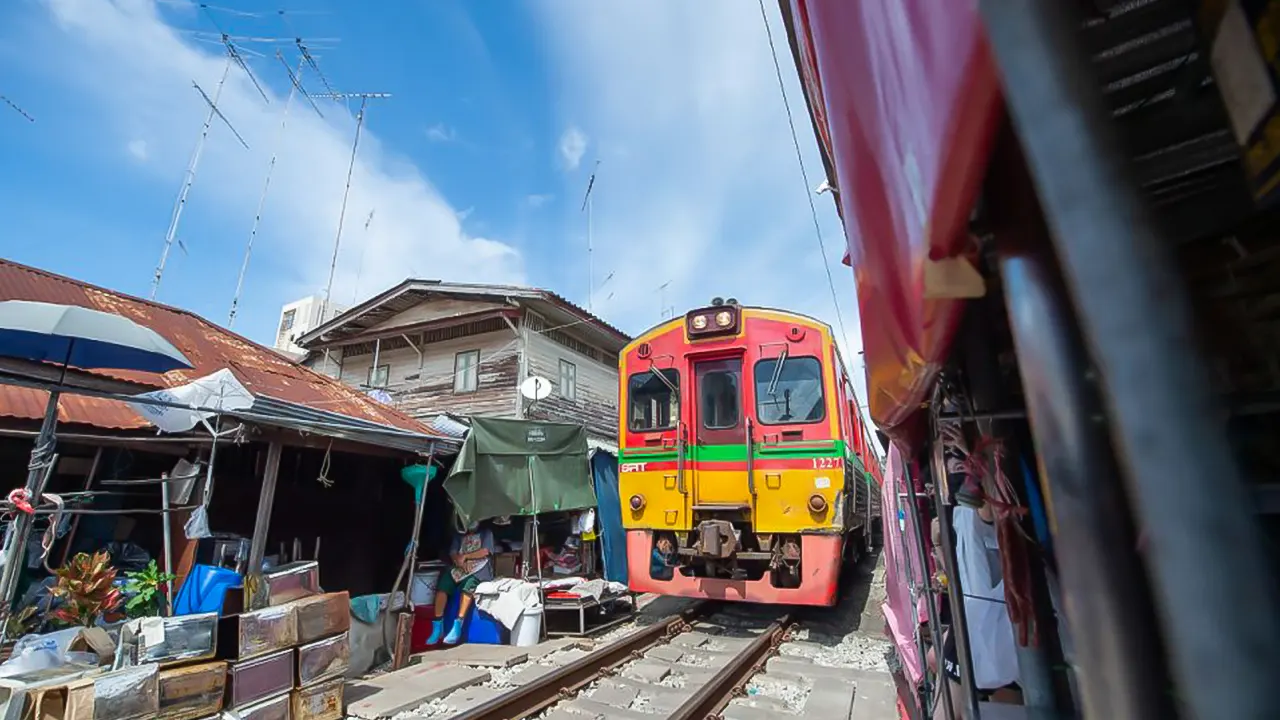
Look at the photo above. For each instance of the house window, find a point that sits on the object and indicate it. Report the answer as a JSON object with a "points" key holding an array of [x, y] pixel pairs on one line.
{"points": [[378, 376], [466, 371], [286, 324], [568, 380]]}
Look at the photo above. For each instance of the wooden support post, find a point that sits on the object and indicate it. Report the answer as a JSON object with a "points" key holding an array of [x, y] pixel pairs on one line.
{"points": [[254, 589]]}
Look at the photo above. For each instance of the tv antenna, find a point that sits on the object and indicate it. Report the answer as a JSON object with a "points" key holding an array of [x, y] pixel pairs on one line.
{"points": [[346, 193], [664, 311], [16, 109], [355, 293], [295, 88], [591, 268], [233, 56]]}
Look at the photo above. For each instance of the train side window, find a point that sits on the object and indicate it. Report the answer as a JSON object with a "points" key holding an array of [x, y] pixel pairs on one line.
{"points": [[652, 404], [789, 391]]}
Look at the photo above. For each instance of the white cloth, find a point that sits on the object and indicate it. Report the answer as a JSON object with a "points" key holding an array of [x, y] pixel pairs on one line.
{"points": [[585, 588], [991, 643], [584, 522], [506, 599]]}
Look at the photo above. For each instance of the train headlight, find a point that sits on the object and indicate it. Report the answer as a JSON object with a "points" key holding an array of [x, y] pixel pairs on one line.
{"points": [[724, 318], [637, 502], [817, 503], [700, 322]]}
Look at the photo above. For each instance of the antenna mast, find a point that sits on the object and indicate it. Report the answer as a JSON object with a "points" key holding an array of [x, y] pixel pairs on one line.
{"points": [[295, 87], [591, 263], [233, 56], [355, 292], [346, 193], [16, 109]]}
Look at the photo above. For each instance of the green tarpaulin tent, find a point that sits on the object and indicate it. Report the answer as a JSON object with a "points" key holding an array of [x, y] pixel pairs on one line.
{"points": [[520, 467]]}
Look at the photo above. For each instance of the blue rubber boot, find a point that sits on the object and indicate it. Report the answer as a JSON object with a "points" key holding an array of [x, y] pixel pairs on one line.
{"points": [[455, 633], [437, 629]]}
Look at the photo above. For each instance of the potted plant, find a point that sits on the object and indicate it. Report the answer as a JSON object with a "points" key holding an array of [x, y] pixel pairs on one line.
{"points": [[147, 586], [85, 590]]}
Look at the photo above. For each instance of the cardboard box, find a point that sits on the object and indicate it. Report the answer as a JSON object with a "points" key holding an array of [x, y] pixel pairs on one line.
{"points": [[321, 616], [319, 702], [279, 707], [504, 564], [250, 681], [127, 694], [180, 639], [258, 632], [323, 659], [193, 691], [291, 581]]}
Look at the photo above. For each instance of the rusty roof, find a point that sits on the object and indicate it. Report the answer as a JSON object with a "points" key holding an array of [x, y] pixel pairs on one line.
{"points": [[208, 346], [375, 310]]}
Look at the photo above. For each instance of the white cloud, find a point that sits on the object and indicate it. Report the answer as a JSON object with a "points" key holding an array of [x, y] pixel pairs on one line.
{"points": [[441, 133], [573, 145], [698, 184], [141, 84], [466, 212], [537, 201], [137, 149]]}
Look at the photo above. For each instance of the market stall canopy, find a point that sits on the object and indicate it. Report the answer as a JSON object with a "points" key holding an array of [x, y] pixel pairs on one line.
{"points": [[520, 467], [75, 336]]}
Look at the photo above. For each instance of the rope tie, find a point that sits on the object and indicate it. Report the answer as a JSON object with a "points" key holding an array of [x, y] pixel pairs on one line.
{"points": [[21, 499]]}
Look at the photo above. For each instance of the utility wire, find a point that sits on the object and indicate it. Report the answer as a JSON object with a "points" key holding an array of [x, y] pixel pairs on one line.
{"points": [[808, 192]]}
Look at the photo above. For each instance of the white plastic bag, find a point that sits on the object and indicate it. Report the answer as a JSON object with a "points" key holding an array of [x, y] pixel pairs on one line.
{"points": [[198, 524], [40, 652]]}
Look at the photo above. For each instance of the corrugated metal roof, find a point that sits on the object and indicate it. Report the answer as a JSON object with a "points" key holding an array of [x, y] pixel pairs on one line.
{"points": [[208, 346], [413, 291]]}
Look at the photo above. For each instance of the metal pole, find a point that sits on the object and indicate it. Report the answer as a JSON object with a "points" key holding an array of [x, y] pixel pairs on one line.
{"points": [[955, 592], [172, 232], [413, 542], [266, 185], [255, 593], [935, 623], [168, 541], [75, 521], [1215, 594], [1122, 674], [20, 530]]}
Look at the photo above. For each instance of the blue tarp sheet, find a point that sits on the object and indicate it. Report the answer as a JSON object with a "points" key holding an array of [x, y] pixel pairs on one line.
{"points": [[613, 538]]}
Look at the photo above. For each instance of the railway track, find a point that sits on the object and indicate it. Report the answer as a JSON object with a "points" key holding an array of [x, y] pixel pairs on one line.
{"points": [[701, 660]]}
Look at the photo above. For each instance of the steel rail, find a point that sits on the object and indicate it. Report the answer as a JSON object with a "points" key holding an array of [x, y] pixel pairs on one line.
{"points": [[711, 698], [563, 683]]}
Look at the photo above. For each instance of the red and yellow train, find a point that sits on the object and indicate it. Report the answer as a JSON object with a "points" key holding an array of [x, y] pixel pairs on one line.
{"points": [[746, 470]]}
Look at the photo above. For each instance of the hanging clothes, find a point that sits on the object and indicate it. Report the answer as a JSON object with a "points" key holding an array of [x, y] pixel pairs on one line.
{"points": [[991, 643]]}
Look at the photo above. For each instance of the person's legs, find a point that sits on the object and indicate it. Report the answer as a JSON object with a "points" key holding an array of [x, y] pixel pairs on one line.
{"points": [[467, 587], [444, 588]]}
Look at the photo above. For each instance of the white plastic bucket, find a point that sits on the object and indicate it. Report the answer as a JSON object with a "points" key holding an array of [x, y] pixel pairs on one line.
{"points": [[423, 590], [528, 629]]}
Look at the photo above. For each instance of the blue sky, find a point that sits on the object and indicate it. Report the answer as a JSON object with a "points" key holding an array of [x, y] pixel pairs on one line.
{"points": [[474, 170]]}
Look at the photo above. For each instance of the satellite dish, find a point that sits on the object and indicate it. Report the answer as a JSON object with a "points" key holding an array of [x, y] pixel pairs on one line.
{"points": [[535, 388]]}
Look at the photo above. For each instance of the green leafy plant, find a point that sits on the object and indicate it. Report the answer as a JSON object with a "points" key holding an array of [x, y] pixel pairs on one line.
{"points": [[86, 590], [147, 587], [23, 622]]}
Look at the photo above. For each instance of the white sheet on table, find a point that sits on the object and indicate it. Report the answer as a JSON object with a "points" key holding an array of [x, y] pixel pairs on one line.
{"points": [[506, 599]]}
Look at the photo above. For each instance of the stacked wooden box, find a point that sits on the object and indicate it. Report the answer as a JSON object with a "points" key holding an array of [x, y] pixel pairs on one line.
{"points": [[322, 656], [189, 681], [287, 661]]}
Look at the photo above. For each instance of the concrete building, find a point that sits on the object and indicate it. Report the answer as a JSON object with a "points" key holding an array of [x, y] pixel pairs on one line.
{"points": [[299, 317], [434, 347]]}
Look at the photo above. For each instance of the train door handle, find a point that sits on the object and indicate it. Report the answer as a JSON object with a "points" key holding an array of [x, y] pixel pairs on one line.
{"points": [[773, 481]]}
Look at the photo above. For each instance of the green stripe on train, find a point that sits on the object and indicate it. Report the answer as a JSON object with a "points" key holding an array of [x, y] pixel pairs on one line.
{"points": [[731, 453]]}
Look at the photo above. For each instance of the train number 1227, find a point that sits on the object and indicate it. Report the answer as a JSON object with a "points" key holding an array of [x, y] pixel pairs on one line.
{"points": [[827, 463]]}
